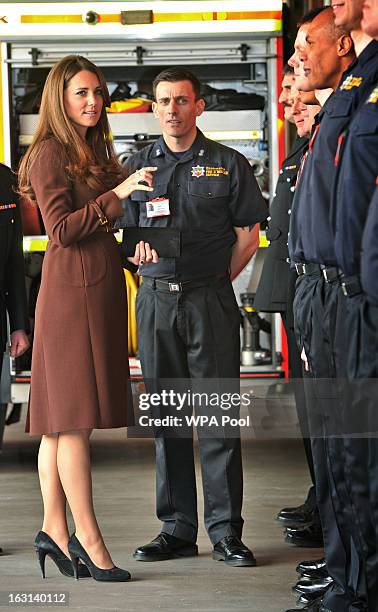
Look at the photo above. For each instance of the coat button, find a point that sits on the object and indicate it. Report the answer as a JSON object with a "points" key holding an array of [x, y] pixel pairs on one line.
{"points": [[12, 220], [288, 179], [289, 211], [281, 171], [292, 188]]}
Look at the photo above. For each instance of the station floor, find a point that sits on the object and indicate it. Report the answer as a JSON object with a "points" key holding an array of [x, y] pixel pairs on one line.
{"points": [[123, 473]]}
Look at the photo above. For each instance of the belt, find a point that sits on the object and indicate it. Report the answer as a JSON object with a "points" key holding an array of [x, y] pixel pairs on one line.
{"points": [[330, 273], [350, 285], [174, 286]]}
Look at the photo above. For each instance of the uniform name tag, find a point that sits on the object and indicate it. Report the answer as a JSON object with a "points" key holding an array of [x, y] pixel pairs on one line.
{"points": [[159, 207]]}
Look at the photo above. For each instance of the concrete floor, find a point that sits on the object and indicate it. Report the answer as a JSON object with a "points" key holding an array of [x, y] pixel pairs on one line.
{"points": [[275, 476]]}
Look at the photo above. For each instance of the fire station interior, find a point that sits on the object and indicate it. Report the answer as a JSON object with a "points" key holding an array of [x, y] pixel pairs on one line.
{"points": [[239, 81]]}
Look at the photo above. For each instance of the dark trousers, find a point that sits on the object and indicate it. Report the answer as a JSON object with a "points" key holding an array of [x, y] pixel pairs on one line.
{"points": [[356, 344], [315, 309], [296, 374], [185, 338]]}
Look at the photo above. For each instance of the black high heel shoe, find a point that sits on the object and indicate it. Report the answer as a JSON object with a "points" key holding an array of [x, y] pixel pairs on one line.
{"points": [[77, 552], [46, 547]]}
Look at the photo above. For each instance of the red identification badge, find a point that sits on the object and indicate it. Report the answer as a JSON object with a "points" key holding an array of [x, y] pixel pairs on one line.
{"points": [[159, 207]]}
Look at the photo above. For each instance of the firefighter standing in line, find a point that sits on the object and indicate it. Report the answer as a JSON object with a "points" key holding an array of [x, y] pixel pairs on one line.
{"points": [[356, 330], [275, 291]]}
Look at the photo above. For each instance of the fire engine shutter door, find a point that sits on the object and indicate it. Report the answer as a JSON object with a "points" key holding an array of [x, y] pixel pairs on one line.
{"points": [[102, 53]]}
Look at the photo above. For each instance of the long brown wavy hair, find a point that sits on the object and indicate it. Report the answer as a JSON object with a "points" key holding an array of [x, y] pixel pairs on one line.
{"points": [[92, 160]]}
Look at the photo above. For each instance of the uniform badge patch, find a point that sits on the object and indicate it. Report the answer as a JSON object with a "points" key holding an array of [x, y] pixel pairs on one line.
{"points": [[7, 206], [198, 171], [351, 82], [373, 98], [216, 171]]}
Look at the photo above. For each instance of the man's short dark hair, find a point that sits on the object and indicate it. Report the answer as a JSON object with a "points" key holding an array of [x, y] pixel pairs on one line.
{"points": [[173, 75], [287, 70], [310, 15]]}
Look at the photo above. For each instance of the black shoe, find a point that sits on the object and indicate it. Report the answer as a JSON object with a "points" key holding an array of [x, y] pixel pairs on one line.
{"points": [[164, 547], [310, 536], [300, 515], [315, 606], [45, 546], [115, 574], [232, 551], [312, 567], [305, 586], [311, 598]]}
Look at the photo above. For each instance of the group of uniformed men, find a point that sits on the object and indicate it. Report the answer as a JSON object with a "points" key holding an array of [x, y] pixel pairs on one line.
{"points": [[333, 248]]}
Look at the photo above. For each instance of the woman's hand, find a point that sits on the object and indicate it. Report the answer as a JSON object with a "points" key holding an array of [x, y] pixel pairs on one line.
{"points": [[133, 183], [144, 254]]}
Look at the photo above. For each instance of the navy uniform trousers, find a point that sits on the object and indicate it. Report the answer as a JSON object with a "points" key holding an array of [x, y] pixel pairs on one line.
{"points": [[356, 355], [188, 336], [315, 310]]}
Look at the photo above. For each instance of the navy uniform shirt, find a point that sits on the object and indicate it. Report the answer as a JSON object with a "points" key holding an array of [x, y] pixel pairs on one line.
{"points": [[369, 253], [357, 168], [12, 279], [311, 232], [211, 189]]}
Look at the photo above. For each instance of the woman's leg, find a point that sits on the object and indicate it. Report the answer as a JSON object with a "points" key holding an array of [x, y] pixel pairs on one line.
{"points": [[75, 475], [54, 499]]}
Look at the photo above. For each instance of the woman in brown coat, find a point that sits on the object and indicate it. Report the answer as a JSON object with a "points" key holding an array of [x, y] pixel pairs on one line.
{"points": [[80, 375]]}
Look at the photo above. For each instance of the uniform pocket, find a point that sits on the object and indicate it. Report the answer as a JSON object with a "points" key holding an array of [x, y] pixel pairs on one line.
{"points": [[338, 106], [210, 188], [160, 189], [208, 202], [142, 197], [366, 122]]}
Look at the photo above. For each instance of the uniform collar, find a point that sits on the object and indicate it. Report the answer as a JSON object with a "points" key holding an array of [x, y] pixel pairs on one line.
{"points": [[367, 54], [199, 146], [299, 143], [370, 51]]}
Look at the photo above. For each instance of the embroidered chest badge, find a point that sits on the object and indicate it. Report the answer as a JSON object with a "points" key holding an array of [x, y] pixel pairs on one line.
{"points": [[216, 171], [351, 82], [373, 98], [198, 171]]}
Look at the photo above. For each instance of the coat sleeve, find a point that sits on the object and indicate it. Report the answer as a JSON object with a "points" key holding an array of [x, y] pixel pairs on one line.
{"points": [[15, 296], [53, 190]]}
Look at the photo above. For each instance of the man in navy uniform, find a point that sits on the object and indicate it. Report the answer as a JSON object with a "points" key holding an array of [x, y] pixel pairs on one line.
{"points": [[275, 293], [12, 279], [311, 247], [188, 318], [356, 331]]}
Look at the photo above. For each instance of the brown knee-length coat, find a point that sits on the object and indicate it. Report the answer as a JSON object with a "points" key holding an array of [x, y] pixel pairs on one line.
{"points": [[80, 368]]}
